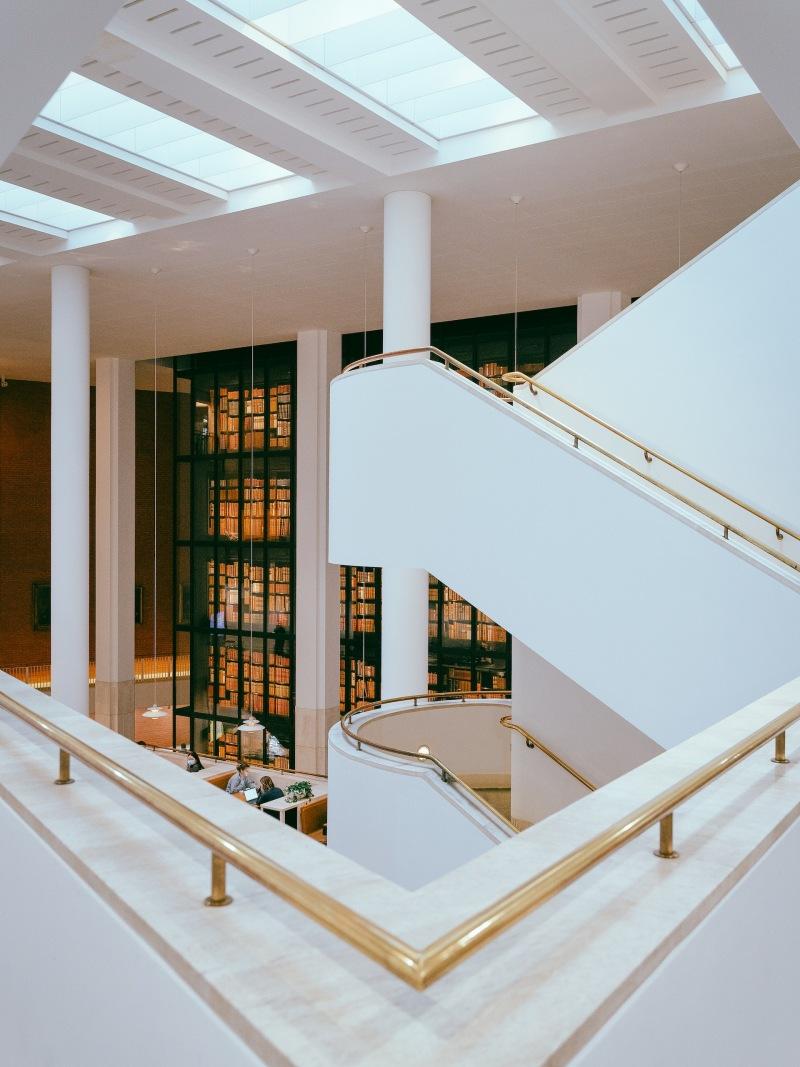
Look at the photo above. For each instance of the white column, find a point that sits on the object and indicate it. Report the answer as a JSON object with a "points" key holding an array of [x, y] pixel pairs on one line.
{"points": [[595, 309], [115, 543], [319, 359], [69, 487], [406, 324]]}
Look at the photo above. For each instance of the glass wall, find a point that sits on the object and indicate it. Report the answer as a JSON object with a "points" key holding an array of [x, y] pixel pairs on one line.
{"points": [[466, 649], [235, 549]]}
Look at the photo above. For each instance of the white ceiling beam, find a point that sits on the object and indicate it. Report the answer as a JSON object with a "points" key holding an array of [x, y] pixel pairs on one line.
{"points": [[39, 44], [196, 185], [32, 224], [573, 46], [503, 47], [200, 53], [118, 198], [765, 37], [106, 73], [649, 41]]}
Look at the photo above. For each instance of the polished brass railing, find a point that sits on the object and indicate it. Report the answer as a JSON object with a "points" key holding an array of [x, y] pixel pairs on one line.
{"points": [[726, 527], [418, 967], [420, 701], [534, 742], [649, 454]]}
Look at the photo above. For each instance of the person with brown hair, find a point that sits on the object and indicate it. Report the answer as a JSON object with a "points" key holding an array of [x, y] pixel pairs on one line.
{"points": [[240, 780], [268, 790]]}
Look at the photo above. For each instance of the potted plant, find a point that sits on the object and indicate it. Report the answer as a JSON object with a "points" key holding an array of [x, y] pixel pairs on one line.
{"points": [[299, 791]]}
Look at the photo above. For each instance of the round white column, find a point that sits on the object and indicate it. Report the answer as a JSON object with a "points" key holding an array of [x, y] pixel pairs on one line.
{"points": [[406, 324], [69, 487]]}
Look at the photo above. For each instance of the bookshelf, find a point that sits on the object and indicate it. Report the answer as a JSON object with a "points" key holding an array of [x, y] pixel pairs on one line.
{"points": [[359, 630], [466, 649], [234, 547]]}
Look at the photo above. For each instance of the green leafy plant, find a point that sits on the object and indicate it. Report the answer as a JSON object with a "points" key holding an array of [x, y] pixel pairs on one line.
{"points": [[299, 791]]}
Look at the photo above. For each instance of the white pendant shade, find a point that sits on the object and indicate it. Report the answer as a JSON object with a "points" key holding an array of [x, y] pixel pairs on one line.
{"points": [[250, 726], [154, 712]]}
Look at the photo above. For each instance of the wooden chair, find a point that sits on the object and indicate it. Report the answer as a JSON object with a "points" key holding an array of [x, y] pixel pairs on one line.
{"points": [[313, 817]]}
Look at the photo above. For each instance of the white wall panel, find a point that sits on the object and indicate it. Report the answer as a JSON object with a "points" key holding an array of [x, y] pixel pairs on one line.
{"points": [[705, 367], [646, 608]]}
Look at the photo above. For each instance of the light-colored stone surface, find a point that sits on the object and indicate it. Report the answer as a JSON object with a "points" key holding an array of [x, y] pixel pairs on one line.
{"points": [[311, 737], [534, 995], [115, 706]]}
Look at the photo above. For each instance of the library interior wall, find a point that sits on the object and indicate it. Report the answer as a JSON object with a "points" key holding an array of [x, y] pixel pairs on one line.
{"points": [[397, 819], [703, 367], [732, 983], [66, 943], [25, 519], [612, 577]]}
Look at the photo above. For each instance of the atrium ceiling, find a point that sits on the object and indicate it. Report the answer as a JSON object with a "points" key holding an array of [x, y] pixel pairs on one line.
{"points": [[191, 129]]}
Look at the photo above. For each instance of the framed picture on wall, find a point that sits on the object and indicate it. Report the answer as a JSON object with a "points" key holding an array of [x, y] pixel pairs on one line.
{"points": [[139, 604], [41, 605]]}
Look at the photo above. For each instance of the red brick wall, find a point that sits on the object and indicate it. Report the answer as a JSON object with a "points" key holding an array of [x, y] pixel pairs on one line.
{"points": [[25, 519]]}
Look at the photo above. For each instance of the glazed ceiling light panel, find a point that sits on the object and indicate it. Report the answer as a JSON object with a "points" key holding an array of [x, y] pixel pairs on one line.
{"points": [[30, 206], [700, 20], [502, 50], [382, 50], [120, 121]]}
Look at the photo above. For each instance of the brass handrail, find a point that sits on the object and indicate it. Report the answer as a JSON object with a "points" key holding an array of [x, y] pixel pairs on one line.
{"points": [[536, 386], [579, 438], [534, 742], [418, 967], [447, 775]]}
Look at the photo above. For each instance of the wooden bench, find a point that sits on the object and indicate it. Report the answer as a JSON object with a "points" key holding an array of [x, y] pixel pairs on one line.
{"points": [[220, 780], [313, 817]]}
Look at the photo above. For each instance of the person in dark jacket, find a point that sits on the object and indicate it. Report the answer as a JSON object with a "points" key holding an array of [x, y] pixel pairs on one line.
{"points": [[193, 762], [268, 791]]}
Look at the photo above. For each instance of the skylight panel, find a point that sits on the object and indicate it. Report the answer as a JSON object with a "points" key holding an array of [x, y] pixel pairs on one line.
{"points": [[383, 50], [709, 31], [30, 206], [101, 112]]}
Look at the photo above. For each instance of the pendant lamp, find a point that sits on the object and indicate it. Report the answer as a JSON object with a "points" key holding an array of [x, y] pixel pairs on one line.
{"points": [[155, 711], [251, 725]]}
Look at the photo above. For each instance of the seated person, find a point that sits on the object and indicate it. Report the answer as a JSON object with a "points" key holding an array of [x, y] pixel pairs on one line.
{"points": [[268, 791], [239, 780], [193, 762]]}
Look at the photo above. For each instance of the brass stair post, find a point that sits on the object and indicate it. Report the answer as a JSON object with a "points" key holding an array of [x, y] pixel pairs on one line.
{"points": [[666, 849], [780, 748], [63, 769], [219, 897]]}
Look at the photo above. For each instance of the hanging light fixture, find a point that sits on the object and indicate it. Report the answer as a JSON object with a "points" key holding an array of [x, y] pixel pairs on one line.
{"points": [[361, 591], [680, 168], [155, 711], [251, 725], [515, 200]]}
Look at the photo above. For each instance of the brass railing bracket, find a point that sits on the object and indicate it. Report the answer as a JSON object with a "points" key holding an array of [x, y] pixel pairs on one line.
{"points": [[536, 743], [666, 849], [218, 897], [63, 769], [780, 749]]}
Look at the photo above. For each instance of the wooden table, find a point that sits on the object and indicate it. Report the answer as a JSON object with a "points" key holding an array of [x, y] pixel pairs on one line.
{"points": [[282, 805]]}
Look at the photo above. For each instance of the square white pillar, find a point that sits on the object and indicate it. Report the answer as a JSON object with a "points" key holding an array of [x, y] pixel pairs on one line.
{"points": [[595, 309], [319, 359], [406, 324], [115, 543], [69, 487]]}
